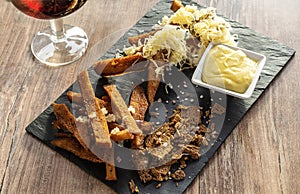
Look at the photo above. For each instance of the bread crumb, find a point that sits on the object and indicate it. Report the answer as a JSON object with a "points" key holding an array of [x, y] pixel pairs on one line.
{"points": [[178, 175], [158, 185], [133, 187], [110, 118], [193, 151]]}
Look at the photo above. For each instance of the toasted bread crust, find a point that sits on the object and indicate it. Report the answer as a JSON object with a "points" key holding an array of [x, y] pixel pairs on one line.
{"points": [[121, 110], [134, 40], [77, 99], [72, 145], [176, 4], [153, 82], [66, 120], [138, 101], [119, 65], [111, 174], [96, 116], [121, 135]]}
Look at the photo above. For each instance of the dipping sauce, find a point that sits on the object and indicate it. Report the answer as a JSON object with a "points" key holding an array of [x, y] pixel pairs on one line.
{"points": [[228, 68]]}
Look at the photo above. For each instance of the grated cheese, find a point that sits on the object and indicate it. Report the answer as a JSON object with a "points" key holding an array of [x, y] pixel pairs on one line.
{"points": [[132, 50], [110, 118], [203, 23], [131, 109], [173, 33], [115, 130], [213, 30], [82, 119], [104, 111], [172, 39]]}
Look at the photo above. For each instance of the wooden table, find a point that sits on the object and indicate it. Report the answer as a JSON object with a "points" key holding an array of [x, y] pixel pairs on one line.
{"points": [[260, 156]]}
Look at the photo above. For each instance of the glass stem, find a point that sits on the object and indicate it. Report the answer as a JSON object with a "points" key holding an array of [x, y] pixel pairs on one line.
{"points": [[57, 27]]}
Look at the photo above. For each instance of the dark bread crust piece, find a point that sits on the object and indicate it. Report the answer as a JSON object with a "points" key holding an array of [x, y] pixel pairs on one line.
{"points": [[66, 120], [115, 66], [94, 112], [176, 4], [72, 145], [134, 40], [139, 102], [120, 109]]}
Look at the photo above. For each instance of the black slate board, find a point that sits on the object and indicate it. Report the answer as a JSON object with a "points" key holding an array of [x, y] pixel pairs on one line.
{"points": [[278, 55]]}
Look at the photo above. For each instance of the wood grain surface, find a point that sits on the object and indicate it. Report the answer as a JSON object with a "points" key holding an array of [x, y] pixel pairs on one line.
{"points": [[260, 156]]}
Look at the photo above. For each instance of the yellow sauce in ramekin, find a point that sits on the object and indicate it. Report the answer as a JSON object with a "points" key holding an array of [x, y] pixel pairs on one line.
{"points": [[228, 68]]}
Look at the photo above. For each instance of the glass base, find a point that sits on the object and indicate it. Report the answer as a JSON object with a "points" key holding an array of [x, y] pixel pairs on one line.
{"points": [[58, 51]]}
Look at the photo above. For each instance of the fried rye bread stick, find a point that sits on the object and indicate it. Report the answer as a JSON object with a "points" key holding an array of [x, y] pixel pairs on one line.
{"points": [[77, 140], [111, 174], [72, 145], [134, 40], [176, 4], [77, 98], [119, 65], [140, 104], [121, 110], [98, 123], [121, 135], [154, 77], [65, 119], [96, 116]]}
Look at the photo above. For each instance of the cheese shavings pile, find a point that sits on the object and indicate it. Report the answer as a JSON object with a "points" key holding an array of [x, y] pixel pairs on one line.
{"points": [[203, 24], [170, 40]]}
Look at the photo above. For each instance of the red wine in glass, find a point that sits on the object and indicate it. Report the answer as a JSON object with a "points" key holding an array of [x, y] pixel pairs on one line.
{"points": [[58, 44], [48, 9]]}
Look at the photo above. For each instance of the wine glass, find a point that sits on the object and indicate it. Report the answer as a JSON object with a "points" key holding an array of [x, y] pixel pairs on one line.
{"points": [[59, 44]]}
